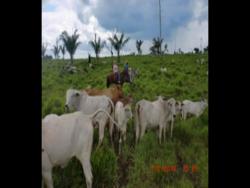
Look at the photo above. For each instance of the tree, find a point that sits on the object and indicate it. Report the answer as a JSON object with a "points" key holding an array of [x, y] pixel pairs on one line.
{"points": [[44, 48], [118, 44], [71, 43], [180, 51], [110, 49], [97, 45], [56, 50], [49, 57], [156, 48], [196, 50], [63, 50], [138, 46], [206, 49], [165, 48]]}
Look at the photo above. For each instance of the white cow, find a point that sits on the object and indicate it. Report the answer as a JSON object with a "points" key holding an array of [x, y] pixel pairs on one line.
{"points": [[178, 107], [81, 101], [172, 119], [122, 115], [156, 114], [177, 111], [66, 136], [193, 108]]}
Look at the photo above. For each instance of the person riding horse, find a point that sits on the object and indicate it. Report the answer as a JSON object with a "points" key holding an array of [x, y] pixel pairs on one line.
{"points": [[126, 70], [118, 78]]}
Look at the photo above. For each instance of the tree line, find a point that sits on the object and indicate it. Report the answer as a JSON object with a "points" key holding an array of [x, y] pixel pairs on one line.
{"points": [[117, 42]]}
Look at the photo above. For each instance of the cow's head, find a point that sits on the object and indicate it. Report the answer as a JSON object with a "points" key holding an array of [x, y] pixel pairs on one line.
{"points": [[171, 106], [72, 99], [128, 111], [178, 107], [204, 103]]}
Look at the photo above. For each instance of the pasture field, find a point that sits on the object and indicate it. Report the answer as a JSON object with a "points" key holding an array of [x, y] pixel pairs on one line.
{"points": [[136, 166]]}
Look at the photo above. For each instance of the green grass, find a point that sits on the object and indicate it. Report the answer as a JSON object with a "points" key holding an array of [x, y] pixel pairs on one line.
{"points": [[184, 79]]}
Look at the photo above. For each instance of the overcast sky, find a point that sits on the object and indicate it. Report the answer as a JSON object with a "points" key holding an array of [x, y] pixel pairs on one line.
{"points": [[184, 22]]}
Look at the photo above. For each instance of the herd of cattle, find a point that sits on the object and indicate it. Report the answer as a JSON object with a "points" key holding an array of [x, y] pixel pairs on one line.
{"points": [[71, 134]]}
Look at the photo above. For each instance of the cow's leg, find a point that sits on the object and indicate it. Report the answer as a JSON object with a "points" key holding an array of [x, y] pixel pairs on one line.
{"points": [[101, 133], [198, 114], [47, 176], [86, 165], [184, 115], [137, 131], [164, 132], [124, 137], [143, 129], [111, 128], [160, 132], [107, 82], [172, 125], [47, 170], [120, 142]]}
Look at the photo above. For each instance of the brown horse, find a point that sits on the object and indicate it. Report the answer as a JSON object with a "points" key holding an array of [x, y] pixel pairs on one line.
{"points": [[123, 78]]}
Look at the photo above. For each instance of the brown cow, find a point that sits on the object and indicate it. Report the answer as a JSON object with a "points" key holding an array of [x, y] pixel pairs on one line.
{"points": [[114, 93]]}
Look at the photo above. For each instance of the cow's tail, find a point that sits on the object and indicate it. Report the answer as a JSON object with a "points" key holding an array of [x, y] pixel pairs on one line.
{"points": [[112, 108], [102, 110], [137, 122], [111, 126]]}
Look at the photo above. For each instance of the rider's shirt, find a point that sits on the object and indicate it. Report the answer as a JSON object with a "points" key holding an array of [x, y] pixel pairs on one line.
{"points": [[115, 68]]}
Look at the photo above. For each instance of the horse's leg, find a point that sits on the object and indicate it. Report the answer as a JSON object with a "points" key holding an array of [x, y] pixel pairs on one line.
{"points": [[107, 82]]}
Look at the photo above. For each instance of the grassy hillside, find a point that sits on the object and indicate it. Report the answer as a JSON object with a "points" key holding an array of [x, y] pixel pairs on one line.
{"points": [[184, 79]]}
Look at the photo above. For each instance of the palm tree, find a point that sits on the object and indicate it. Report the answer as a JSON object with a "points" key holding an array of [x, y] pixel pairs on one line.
{"points": [[138, 46], [56, 50], [118, 43], [97, 45], [71, 43], [156, 48], [44, 48], [109, 48], [166, 48], [180, 51], [62, 48]]}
